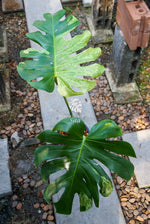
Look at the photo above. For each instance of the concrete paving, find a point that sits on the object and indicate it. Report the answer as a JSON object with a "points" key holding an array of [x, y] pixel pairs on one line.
{"points": [[12, 5], [5, 183], [140, 141], [53, 109]]}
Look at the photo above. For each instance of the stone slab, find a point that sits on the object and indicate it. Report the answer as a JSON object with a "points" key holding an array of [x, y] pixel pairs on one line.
{"points": [[99, 35], [5, 183], [140, 141], [4, 48], [53, 109], [12, 5], [7, 106], [126, 93]]}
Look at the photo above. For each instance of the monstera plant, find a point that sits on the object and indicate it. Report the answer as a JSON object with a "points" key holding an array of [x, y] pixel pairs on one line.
{"points": [[71, 148]]}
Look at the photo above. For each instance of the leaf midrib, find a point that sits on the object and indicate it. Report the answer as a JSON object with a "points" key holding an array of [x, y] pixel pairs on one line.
{"points": [[54, 49], [77, 163]]}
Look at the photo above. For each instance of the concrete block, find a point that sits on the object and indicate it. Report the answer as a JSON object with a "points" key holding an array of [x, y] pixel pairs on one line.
{"points": [[126, 93], [140, 141], [124, 60], [5, 183], [99, 35], [12, 5]]}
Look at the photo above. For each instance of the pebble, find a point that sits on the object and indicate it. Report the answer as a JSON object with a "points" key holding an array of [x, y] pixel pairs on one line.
{"points": [[119, 180], [19, 206], [27, 180], [44, 216], [39, 183], [37, 205], [50, 218], [14, 204], [46, 208], [123, 203], [32, 183], [139, 218], [132, 200], [14, 197], [135, 212], [132, 221], [25, 186]]}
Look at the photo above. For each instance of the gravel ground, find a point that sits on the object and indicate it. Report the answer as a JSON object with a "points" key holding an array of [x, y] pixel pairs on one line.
{"points": [[26, 205]]}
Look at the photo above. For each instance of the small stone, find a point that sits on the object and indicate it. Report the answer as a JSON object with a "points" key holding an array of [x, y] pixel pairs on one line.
{"points": [[148, 208], [144, 216], [42, 205], [39, 124], [45, 208], [14, 197], [44, 216], [121, 118], [132, 200], [19, 206], [14, 204], [25, 186], [141, 191], [119, 180], [148, 197], [123, 204], [27, 180], [15, 139], [32, 183], [39, 183], [50, 218], [139, 218], [136, 190], [135, 212], [132, 221], [50, 207], [20, 180], [36, 205], [124, 199]]}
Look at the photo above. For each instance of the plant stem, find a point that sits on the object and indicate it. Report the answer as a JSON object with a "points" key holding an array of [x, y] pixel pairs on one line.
{"points": [[66, 101]]}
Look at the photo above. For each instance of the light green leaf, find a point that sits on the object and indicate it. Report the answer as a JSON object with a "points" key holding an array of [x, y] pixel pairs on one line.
{"points": [[57, 63]]}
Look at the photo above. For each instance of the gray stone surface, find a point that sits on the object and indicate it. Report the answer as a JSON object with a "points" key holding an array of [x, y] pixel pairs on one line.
{"points": [[140, 141], [5, 184], [12, 5], [3, 47], [53, 109], [7, 105], [99, 35], [126, 93], [124, 60]]}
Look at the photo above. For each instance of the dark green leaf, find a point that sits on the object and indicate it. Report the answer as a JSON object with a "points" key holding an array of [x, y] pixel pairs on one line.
{"points": [[78, 156]]}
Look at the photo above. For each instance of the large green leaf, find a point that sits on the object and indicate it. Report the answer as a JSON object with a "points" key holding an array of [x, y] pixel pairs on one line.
{"points": [[57, 63], [77, 155]]}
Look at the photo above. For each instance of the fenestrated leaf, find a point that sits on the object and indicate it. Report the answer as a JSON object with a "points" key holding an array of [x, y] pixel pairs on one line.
{"points": [[57, 61], [78, 157]]}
